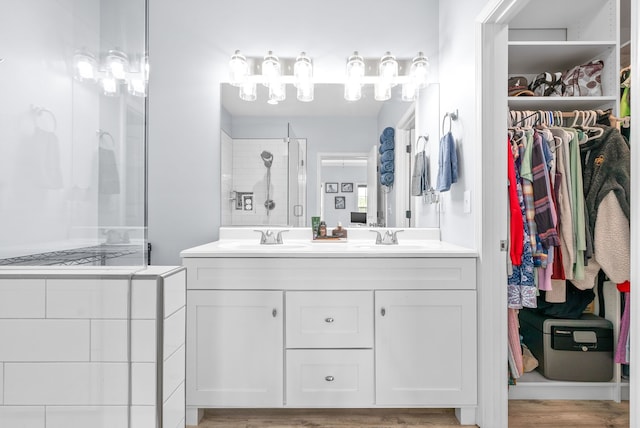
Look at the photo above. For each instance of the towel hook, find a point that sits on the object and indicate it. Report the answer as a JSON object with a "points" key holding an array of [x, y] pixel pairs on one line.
{"points": [[426, 140], [101, 134], [452, 116], [40, 110]]}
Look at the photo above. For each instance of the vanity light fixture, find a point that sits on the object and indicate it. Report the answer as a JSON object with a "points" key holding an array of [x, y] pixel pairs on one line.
{"points": [[270, 69], [388, 68], [355, 74], [114, 71], [85, 67], [419, 70], [137, 80], [117, 63], [382, 91], [277, 92], [409, 91], [248, 91], [303, 75], [238, 69], [415, 77], [110, 86]]}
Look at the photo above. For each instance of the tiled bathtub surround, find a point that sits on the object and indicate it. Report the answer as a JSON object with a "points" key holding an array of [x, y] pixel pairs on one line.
{"points": [[65, 359]]}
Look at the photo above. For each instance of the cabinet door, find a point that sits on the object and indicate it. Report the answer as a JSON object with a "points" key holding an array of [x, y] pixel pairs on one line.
{"points": [[426, 348], [235, 346]]}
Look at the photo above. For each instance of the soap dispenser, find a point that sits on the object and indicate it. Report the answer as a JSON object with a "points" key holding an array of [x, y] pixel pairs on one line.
{"points": [[339, 232], [322, 230]]}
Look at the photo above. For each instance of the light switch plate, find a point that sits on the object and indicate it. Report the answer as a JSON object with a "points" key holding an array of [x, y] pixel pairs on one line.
{"points": [[467, 202]]}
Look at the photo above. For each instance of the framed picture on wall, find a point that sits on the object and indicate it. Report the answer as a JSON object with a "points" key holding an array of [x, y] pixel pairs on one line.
{"points": [[331, 188], [346, 187], [340, 202]]}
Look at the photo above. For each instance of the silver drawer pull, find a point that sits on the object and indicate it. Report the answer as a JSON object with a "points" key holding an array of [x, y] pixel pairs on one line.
{"points": [[328, 320], [329, 378], [383, 311], [274, 312]]}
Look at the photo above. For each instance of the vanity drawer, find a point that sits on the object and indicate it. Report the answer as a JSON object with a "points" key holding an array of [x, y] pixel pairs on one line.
{"points": [[335, 377], [329, 319]]}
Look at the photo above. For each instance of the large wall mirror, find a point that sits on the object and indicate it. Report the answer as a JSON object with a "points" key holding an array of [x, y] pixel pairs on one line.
{"points": [[283, 163]]}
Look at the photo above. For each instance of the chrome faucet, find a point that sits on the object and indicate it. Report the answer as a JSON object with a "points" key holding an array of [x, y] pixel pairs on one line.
{"points": [[267, 237], [389, 237]]}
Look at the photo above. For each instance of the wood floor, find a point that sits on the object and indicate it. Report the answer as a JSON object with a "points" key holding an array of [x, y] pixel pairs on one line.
{"points": [[522, 414]]}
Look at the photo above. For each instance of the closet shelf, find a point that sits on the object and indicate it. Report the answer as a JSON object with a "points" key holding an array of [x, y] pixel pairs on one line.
{"points": [[525, 57], [561, 103]]}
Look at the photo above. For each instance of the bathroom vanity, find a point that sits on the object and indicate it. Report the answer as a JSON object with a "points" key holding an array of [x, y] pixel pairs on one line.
{"points": [[348, 324]]}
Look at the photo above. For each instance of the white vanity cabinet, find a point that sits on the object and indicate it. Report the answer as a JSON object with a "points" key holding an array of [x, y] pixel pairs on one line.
{"points": [[425, 348], [235, 348], [335, 326]]}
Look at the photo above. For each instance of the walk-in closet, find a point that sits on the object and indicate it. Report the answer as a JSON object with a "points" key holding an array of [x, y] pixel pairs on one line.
{"points": [[569, 235]]}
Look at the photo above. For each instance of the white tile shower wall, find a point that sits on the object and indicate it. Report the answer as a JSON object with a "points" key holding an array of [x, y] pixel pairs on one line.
{"points": [[22, 416], [249, 175], [65, 384], [174, 328], [174, 408], [86, 416], [44, 340], [87, 298], [73, 355], [173, 372], [143, 417], [143, 299], [22, 298], [175, 295], [143, 384], [109, 340]]}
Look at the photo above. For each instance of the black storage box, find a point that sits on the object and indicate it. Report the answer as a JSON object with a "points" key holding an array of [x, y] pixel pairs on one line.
{"points": [[570, 349]]}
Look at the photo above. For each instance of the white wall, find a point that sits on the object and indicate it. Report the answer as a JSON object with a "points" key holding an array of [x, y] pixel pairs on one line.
{"points": [[190, 61], [457, 91]]}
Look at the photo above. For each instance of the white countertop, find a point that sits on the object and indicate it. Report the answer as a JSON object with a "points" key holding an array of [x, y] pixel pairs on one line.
{"points": [[297, 242]]}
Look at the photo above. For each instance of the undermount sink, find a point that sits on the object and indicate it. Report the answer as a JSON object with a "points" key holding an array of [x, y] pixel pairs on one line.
{"points": [[397, 247], [235, 245]]}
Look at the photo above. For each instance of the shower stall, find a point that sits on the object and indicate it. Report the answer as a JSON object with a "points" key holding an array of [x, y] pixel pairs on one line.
{"points": [[265, 180]]}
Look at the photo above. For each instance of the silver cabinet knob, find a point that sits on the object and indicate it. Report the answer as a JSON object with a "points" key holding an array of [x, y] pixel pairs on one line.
{"points": [[274, 312], [328, 320], [329, 378], [383, 311]]}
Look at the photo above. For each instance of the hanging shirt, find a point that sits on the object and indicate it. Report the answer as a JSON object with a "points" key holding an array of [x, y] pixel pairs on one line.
{"points": [[542, 199]]}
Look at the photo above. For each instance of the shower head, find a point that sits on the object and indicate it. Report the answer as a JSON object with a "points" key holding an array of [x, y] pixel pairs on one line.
{"points": [[267, 158]]}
